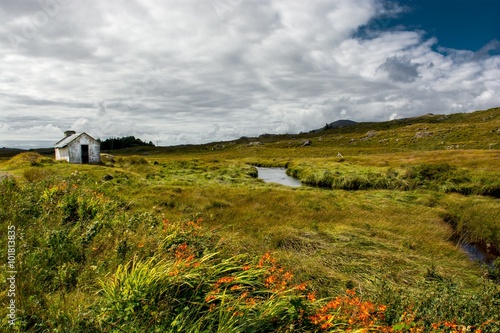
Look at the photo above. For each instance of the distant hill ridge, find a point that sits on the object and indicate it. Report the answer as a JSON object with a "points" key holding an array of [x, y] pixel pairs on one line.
{"points": [[479, 129], [340, 123]]}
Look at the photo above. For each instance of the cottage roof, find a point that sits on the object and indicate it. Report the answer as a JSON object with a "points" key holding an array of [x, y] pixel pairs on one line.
{"points": [[67, 140]]}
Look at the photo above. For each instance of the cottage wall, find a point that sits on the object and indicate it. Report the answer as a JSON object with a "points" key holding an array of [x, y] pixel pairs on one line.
{"points": [[62, 154], [75, 149]]}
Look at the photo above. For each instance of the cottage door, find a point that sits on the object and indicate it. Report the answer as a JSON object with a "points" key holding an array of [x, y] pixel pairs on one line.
{"points": [[85, 154]]}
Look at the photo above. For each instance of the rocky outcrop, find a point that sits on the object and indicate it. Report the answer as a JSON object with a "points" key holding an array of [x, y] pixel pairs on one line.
{"points": [[421, 135]]}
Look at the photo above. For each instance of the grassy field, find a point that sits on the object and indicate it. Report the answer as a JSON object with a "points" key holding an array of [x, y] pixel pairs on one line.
{"points": [[188, 239]]}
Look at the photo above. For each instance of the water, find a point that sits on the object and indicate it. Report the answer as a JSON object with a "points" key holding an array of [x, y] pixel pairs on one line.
{"points": [[277, 175], [476, 253]]}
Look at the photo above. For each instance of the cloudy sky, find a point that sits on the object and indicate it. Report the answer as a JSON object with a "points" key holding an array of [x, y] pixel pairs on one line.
{"points": [[193, 71]]}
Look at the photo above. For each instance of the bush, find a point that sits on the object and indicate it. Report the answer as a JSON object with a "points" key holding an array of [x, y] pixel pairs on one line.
{"points": [[35, 174]]}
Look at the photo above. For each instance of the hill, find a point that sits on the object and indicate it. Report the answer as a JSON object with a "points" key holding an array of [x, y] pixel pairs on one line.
{"points": [[475, 130], [339, 123]]}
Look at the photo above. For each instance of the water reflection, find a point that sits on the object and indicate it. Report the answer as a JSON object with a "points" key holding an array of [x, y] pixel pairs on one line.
{"points": [[277, 175]]}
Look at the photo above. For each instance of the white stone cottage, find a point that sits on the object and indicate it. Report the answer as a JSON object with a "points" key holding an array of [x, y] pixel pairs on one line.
{"points": [[78, 148]]}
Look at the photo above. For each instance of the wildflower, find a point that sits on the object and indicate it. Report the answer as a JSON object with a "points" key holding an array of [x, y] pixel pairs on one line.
{"points": [[351, 292], [140, 245], [450, 324], [226, 279], [250, 301], [246, 267], [311, 297], [264, 259], [333, 304], [267, 258], [270, 280], [326, 326], [210, 298], [301, 286], [182, 251]]}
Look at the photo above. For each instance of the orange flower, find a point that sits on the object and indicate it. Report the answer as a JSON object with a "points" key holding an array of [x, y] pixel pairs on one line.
{"points": [[246, 267], [326, 326], [225, 279], [450, 324], [270, 280], [265, 258], [311, 297], [301, 286], [209, 298], [250, 301], [351, 292]]}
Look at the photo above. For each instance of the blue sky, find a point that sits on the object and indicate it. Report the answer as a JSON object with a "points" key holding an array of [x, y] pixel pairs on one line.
{"points": [[457, 24], [195, 71]]}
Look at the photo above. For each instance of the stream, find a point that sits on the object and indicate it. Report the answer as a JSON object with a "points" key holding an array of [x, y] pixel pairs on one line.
{"points": [[478, 253], [277, 175]]}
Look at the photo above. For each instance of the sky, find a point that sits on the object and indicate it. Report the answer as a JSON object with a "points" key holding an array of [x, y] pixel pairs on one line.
{"points": [[198, 71]]}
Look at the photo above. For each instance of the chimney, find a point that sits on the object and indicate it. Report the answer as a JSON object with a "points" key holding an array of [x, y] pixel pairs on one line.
{"points": [[69, 133]]}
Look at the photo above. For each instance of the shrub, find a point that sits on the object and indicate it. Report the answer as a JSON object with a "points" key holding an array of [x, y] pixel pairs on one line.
{"points": [[429, 172], [35, 174]]}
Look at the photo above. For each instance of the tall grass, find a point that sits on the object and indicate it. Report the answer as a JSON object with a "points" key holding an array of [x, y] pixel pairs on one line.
{"points": [[475, 220], [439, 177]]}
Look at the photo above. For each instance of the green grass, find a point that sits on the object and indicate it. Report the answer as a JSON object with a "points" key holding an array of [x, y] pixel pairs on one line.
{"points": [[157, 241]]}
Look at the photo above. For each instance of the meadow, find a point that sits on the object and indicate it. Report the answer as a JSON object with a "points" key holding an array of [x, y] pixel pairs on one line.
{"points": [[189, 239]]}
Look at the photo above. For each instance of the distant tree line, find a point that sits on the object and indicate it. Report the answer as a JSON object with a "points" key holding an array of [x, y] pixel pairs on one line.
{"points": [[123, 142]]}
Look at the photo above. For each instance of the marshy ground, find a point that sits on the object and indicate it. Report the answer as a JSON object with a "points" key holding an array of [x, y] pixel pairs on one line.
{"points": [[188, 239]]}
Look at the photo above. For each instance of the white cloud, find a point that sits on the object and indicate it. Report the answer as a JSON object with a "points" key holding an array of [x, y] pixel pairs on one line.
{"points": [[196, 71]]}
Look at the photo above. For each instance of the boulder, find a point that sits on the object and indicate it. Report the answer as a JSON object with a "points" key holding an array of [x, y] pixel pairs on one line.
{"points": [[420, 135]]}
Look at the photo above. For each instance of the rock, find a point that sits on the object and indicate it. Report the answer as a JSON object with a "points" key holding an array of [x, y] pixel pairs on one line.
{"points": [[420, 135], [107, 158], [218, 147], [370, 134], [107, 177], [306, 143]]}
